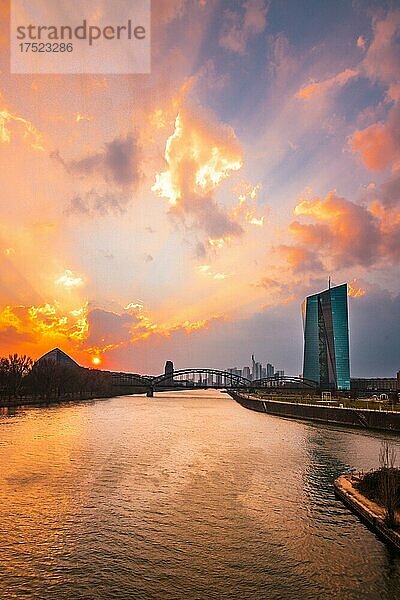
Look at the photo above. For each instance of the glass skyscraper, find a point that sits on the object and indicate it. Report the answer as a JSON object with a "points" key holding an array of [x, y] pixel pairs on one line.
{"points": [[326, 339]]}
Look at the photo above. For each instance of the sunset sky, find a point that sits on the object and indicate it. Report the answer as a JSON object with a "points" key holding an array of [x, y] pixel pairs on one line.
{"points": [[185, 214]]}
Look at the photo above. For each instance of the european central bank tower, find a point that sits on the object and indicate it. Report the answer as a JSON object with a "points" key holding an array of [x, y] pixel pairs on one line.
{"points": [[326, 339]]}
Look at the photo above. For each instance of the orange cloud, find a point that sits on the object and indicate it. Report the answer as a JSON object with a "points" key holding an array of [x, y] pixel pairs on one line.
{"points": [[84, 332], [382, 60], [200, 154], [4, 23], [379, 144], [44, 325], [340, 234], [318, 88], [360, 42], [354, 290], [29, 132], [394, 92], [79, 117], [247, 208], [218, 276]]}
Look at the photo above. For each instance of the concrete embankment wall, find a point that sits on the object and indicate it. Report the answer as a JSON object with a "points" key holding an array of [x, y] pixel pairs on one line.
{"points": [[354, 417], [368, 511]]}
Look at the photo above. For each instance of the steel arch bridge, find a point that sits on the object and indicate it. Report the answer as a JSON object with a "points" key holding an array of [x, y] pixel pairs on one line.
{"points": [[208, 378]]}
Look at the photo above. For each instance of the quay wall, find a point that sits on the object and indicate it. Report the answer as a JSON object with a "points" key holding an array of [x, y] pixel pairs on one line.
{"points": [[354, 417], [365, 509]]}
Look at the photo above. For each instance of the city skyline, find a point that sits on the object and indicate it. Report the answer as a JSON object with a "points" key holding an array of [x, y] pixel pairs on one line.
{"points": [[185, 214]]}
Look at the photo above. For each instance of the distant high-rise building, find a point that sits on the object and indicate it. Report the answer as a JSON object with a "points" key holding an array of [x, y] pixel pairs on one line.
{"points": [[263, 372], [270, 370], [326, 338], [169, 367], [169, 370], [247, 373], [253, 367]]}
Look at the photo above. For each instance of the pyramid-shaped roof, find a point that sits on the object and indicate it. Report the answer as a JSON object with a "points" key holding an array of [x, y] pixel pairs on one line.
{"points": [[59, 357]]}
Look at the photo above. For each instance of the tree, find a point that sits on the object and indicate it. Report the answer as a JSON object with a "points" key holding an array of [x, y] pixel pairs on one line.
{"points": [[388, 481], [13, 371]]}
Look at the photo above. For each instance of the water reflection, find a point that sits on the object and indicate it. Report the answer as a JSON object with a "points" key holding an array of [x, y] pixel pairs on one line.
{"points": [[186, 495]]}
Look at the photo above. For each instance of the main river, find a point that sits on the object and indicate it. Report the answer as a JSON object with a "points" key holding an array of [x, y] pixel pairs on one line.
{"points": [[184, 495]]}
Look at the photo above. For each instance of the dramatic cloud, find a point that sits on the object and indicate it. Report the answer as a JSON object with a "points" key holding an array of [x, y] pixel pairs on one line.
{"points": [[379, 144], [355, 290], [118, 162], [382, 60], [381, 63], [390, 191], [21, 125], [247, 209], [106, 328], [69, 280], [374, 337], [300, 258], [46, 325], [238, 30], [317, 88], [341, 234], [10, 338], [200, 154]]}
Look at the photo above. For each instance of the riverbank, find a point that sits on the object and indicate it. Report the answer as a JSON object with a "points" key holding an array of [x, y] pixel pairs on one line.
{"points": [[365, 509], [40, 401], [65, 398], [362, 418]]}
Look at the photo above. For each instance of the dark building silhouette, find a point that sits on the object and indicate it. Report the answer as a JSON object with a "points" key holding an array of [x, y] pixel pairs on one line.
{"points": [[169, 370], [59, 357], [374, 384]]}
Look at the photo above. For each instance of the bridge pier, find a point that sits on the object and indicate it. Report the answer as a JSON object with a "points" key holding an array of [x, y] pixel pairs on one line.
{"points": [[150, 393]]}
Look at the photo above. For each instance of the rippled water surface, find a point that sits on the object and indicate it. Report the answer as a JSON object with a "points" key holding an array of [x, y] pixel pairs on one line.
{"points": [[186, 495]]}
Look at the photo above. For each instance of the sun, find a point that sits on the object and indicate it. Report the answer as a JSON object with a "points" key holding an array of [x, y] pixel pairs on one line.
{"points": [[96, 360]]}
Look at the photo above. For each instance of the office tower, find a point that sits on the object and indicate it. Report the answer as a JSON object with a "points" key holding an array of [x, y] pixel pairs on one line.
{"points": [[326, 339], [253, 368], [169, 370], [247, 373], [169, 367], [270, 370]]}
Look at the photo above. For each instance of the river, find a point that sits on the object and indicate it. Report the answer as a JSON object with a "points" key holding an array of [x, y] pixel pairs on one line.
{"points": [[184, 495]]}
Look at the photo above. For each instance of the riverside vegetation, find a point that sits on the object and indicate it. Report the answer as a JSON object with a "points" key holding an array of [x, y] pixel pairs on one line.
{"points": [[382, 486], [22, 380]]}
